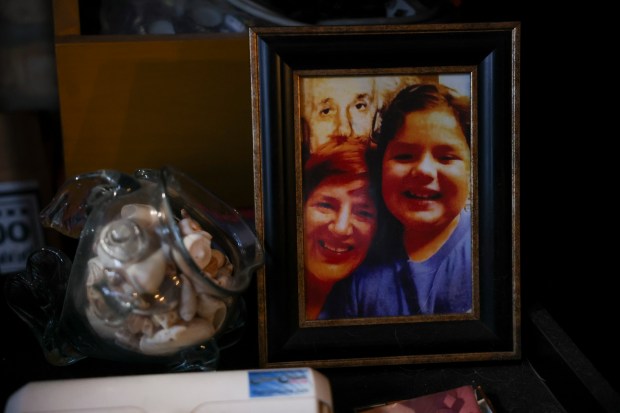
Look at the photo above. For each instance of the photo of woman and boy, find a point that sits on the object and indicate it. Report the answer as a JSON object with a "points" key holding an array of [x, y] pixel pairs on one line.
{"points": [[386, 183]]}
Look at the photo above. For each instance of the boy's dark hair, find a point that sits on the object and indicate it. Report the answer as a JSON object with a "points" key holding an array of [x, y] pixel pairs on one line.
{"points": [[421, 97]]}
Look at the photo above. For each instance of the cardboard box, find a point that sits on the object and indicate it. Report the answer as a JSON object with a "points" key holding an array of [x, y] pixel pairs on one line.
{"points": [[145, 101]]}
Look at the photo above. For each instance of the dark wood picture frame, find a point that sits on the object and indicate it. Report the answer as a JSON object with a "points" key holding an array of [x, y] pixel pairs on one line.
{"points": [[280, 57]]}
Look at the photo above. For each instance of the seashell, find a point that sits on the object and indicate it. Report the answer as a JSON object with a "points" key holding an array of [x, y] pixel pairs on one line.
{"points": [[169, 340], [200, 287], [166, 320], [121, 241], [223, 276], [119, 296], [136, 324], [146, 276], [179, 260], [101, 307], [188, 225], [217, 260], [97, 304], [140, 306], [189, 302], [225, 271], [198, 244], [116, 277], [102, 329], [143, 214], [212, 309], [95, 271]]}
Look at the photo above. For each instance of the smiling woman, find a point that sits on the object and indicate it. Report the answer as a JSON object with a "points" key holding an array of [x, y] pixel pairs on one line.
{"points": [[339, 218]]}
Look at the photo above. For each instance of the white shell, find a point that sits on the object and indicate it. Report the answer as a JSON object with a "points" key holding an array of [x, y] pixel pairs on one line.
{"points": [[198, 244], [217, 261], [166, 320], [188, 225], [146, 276], [95, 271], [143, 214], [212, 309], [137, 324], [189, 302], [169, 340], [120, 242]]}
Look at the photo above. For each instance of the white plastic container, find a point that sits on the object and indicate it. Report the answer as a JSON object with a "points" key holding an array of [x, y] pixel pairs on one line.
{"points": [[300, 390]]}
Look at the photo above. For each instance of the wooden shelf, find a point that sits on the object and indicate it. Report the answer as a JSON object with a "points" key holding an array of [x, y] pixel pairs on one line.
{"points": [[129, 102]]}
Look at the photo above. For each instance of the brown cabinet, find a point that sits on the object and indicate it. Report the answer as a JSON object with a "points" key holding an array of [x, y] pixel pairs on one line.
{"points": [[129, 102]]}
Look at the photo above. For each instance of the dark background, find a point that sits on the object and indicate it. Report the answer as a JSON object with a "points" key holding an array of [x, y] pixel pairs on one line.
{"points": [[567, 258], [568, 217]]}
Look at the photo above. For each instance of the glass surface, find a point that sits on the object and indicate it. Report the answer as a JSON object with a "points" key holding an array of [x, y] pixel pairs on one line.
{"points": [[157, 275]]}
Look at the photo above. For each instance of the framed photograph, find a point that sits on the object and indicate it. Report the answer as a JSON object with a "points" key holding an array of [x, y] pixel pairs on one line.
{"points": [[386, 164]]}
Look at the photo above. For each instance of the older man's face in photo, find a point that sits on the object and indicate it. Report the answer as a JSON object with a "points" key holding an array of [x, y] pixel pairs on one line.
{"points": [[338, 108]]}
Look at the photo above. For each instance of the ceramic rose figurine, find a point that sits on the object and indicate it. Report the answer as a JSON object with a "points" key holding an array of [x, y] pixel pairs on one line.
{"points": [[157, 275]]}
